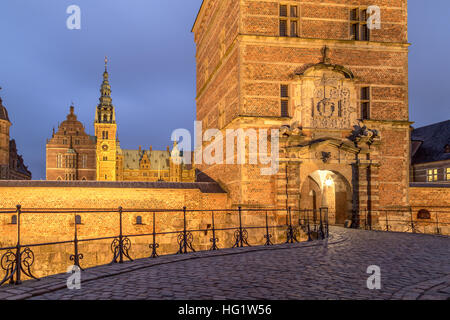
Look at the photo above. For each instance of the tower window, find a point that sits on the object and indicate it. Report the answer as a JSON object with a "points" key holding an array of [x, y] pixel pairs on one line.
{"points": [[288, 23], [365, 103], [105, 135], [284, 93], [358, 25], [105, 158]]}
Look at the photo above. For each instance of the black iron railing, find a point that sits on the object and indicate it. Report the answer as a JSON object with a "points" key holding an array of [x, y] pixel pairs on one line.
{"points": [[413, 220], [19, 259]]}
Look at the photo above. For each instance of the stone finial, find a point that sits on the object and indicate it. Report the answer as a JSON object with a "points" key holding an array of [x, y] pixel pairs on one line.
{"points": [[326, 55]]}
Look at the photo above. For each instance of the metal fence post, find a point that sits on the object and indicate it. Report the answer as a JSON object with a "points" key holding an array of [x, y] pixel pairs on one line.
{"points": [[438, 231], [387, 221], [120, 238], [267, 235], [154, 245], [308, 226], [18, 253], [413, 228], [290, 238], [241, 240], [76, 256], [120, 245], [214, 240]]}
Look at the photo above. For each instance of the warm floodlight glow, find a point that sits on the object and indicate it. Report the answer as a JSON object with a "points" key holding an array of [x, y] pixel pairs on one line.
{"points": [[329, 182]]}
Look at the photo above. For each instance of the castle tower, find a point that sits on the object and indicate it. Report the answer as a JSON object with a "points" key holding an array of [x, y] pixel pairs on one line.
{"points": [[335, 81], [105, 131], [5, 124]]}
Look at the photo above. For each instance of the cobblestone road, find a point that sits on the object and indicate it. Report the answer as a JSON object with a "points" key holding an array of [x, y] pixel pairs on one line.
{"points": [[412, 267]]}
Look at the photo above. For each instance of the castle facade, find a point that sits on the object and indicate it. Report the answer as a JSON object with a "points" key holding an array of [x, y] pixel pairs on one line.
{"points": [[72, 154]]}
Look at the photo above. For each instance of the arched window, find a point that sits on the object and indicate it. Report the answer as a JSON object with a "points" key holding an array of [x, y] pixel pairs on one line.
{"points": [[423, 214], [14, 219], [138, 220], [78, 219]]}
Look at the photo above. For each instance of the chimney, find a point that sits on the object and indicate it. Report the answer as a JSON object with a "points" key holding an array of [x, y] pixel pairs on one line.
{"points": [[140, 149], [151, 148], [168, 148]]}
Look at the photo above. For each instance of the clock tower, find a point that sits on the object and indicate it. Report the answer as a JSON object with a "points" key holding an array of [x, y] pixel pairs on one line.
{"points": [[105, 131]]}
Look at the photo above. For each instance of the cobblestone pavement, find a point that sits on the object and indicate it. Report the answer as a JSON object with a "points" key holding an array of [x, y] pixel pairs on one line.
{"points": [[413, 266]]}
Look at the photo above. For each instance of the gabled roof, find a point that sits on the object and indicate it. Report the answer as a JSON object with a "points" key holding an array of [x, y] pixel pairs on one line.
{"points": [[159, 160], [432, 140]]}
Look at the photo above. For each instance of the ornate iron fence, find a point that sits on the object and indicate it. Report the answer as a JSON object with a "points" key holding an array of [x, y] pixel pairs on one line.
{"points": [[413, 220], [18, 260]]}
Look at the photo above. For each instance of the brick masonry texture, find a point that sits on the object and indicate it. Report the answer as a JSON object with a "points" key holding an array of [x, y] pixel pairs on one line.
{"points": [[240, 71]]}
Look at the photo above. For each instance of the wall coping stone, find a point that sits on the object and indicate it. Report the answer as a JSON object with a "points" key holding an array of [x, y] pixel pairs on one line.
{"points": [[204, 187], [429, 185]]}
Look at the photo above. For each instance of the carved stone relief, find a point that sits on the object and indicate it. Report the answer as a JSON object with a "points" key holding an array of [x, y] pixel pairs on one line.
{"points": [[324, 99]]}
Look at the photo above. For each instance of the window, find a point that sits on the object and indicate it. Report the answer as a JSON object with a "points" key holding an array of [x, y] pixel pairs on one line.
{"points": [[78, 219], [358, 25], [14, 219], [288, 21], [59, 161], [105, 135], [432, 175], [365, 103], [77, 142], [284, 93], [84, 161], [138, 220], [447, 174], [423, 214], [105, 158]]}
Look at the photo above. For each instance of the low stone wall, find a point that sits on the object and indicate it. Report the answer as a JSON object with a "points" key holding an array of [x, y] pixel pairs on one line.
{"points": [[429, 196], [43, 221]]}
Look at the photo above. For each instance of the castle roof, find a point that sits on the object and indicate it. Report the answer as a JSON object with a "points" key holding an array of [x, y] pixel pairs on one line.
{"points": [[430, 143], [159, 160]]}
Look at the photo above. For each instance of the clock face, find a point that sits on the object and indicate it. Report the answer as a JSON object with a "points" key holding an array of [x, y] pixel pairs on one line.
{"points": [[105, 147]]}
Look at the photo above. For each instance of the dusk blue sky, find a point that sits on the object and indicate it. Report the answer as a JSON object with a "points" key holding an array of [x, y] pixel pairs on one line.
{"points": [[44, 67]]}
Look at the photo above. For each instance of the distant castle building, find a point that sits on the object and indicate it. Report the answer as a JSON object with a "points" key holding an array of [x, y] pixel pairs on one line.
{"points": [[74, 155], [12, 166], [430, 153], [71, 152]]}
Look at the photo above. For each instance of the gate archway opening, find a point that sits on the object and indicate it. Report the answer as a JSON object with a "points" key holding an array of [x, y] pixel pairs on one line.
{"points": [[328, 189]]}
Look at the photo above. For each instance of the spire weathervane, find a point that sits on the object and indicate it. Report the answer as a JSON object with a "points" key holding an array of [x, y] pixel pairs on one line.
{"points": [[106, 63]]}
